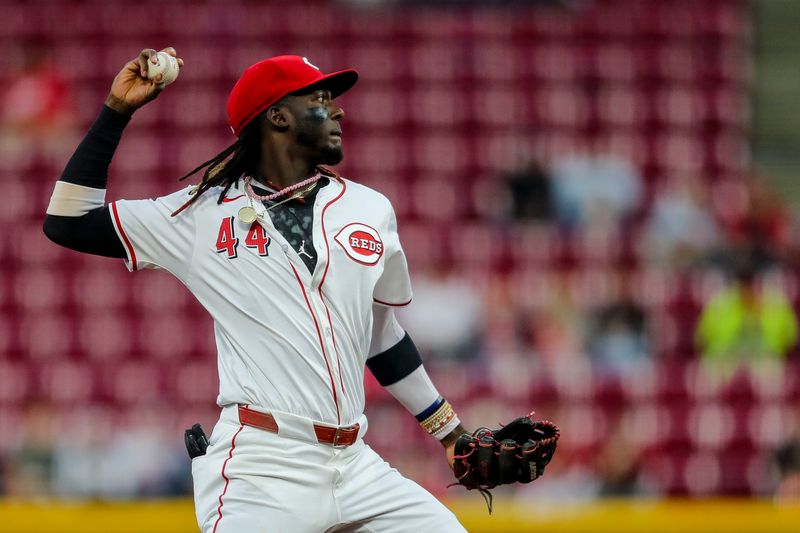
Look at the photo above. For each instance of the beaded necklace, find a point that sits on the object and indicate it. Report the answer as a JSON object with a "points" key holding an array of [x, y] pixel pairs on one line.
{"points": [[249, 214]]}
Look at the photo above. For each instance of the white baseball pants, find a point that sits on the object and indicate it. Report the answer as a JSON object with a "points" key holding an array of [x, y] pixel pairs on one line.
{"points": [[255, 481]]}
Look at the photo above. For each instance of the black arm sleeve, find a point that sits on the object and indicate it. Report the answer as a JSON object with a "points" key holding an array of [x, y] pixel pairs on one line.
{"points": [[93, 232], [395, 363]]}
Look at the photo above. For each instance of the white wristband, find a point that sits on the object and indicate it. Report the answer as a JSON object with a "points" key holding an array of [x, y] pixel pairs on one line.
{"points": [[71, 200], [446, 430]]}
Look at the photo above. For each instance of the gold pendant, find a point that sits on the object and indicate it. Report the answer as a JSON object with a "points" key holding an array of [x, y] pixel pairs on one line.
{"points": [[248, 215]]}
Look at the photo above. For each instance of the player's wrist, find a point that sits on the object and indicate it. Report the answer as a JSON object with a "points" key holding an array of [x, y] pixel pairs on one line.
{"points": [[110, 122], [120, 106], [440, 420], [451, 438]]}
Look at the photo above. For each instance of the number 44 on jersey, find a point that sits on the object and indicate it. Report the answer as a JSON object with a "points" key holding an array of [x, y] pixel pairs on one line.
{"points": [[228, 242]]}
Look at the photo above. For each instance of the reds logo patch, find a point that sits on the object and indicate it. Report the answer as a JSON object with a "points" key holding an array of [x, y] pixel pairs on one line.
{"points": [[361, 243]]}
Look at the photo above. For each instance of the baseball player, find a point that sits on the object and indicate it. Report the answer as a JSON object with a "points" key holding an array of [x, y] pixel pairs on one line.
{"points": [[300, 270]]}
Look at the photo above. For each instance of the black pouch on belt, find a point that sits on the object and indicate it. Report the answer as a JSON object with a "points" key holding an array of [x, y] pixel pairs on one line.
{"points": [[196, 441]]}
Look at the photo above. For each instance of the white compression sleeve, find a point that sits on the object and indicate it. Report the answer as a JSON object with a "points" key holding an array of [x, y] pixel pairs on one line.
{"points": [[415, 391], [72, 200], [386, 330]]}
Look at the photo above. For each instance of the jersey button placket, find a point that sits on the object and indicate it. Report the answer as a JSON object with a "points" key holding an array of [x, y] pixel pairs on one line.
{"points": [[323, 198], [330, 349]]}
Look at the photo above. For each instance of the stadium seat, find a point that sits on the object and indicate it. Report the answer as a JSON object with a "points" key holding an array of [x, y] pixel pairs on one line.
{"points": [[38, 289], [102, 288], [703, 474], [711, 426], [66, 382], [132, 382], [16, 383], [103, 336]]}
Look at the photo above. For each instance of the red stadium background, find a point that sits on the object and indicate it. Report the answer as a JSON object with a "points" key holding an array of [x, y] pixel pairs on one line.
{"points": [[462, 115]]}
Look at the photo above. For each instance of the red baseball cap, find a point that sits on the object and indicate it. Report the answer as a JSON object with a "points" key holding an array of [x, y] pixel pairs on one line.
{"points": [[268, 81]]}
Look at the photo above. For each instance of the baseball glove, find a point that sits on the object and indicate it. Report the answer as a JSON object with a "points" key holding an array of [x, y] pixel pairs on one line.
{"points": [[516, 453]]}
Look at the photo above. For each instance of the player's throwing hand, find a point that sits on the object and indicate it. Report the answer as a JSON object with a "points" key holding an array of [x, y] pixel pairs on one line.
{"points": [[132, 88]]}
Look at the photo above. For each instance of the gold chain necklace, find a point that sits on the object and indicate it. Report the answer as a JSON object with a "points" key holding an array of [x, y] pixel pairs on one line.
{"points": [[248, 214]]}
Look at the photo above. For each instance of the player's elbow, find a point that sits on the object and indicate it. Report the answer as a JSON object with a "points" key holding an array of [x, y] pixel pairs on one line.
{"points": [[57, 229], [51, 229], [91, 233]]}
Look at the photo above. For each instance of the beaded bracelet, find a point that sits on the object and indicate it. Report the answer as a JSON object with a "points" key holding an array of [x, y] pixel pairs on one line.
{"points": [[442, 421]]}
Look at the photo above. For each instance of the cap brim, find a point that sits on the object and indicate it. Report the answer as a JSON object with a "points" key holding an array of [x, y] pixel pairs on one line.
{"points": [[336, 82]]}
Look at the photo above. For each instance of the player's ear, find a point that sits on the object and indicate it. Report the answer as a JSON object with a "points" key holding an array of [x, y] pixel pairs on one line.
{"points": [[278, 117]]}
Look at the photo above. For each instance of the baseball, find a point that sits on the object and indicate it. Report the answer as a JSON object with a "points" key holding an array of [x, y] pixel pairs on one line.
{"points": [[166, 65]]}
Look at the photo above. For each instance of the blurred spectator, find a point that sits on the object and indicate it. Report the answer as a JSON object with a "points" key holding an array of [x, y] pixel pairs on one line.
{"points": [[134, 463], [595, 187], [619, 467], [754, 220], [445, 318], [530, 194], [37, 107], [29, 469], [554, 330], [3, 475], [768, 220], [787, 461], [618, 341], [681, 230], [746, 321]]}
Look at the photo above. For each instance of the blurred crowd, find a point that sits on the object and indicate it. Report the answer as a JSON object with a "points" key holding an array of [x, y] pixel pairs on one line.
{"points": [[738, 235], [592, 277], [739, 230]]}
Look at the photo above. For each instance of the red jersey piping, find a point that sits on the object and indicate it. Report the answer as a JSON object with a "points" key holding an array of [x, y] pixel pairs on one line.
{"points": [[227, 480], [125, 240], [391, 304], [226, 199], [321, 343], [325, 235]]}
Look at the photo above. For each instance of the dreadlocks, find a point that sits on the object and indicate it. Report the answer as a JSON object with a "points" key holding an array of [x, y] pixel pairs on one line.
{"points": [[224, 169]]}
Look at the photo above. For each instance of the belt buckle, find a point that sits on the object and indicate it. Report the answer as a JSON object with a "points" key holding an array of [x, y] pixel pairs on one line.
{"points": [[336, 435]]}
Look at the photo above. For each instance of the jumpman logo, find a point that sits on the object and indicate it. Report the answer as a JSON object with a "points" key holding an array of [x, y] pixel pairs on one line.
{"points": [[302, 250]]}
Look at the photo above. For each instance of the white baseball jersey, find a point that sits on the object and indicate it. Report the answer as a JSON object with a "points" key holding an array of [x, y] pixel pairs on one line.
{"points": [[287, 340]]}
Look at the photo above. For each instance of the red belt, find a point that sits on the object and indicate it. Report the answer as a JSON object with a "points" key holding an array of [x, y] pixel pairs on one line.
{"points": [[337, 436]]}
